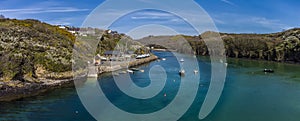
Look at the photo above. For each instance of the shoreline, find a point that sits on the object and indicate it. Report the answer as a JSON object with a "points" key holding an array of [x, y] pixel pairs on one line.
{"points": [[8, 93]]}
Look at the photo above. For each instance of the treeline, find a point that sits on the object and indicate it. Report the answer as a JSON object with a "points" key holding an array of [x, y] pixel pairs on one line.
{"points": [[281, 47]]}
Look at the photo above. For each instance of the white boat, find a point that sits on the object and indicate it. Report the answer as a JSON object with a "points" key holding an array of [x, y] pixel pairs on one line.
{"points": [[129, 71], [163, 59], [181, 60], [181, 72], [142, 71], [196, 71], [134, 69]]}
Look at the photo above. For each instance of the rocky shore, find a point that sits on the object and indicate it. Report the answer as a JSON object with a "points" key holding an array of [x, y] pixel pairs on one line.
{"points": [[15, 90], [22, 90]]}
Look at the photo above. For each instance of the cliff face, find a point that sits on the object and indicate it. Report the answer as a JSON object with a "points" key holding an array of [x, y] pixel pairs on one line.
{"points": [[280, 47]]}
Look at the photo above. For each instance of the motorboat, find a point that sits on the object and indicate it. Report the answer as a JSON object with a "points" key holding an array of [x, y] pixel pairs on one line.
{"points": [[181, 60], [268, 70], [196, 71], [181, 72], [129, 71], [134, 69]]}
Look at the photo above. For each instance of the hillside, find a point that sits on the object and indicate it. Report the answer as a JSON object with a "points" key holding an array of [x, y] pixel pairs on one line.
{"points": [[281, 47], [32, 51], [29, 46]]}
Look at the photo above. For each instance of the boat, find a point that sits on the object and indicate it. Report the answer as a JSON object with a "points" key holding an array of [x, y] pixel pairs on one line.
{"points": [[269, 70], [163, 59], [181, 60], [196, 71], [134, 69], [129, 71], [181, 72], [142, 71]]}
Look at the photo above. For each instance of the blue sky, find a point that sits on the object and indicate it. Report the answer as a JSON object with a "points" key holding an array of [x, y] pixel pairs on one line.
{"points": [[238, 16]]}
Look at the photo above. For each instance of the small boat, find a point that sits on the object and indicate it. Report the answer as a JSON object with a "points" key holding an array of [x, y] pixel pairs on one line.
{"points": [[134, 69], [129, 71], [269, 70], [181, 72], [142, 71], [196, 71], [181, 60], [163, 59]]}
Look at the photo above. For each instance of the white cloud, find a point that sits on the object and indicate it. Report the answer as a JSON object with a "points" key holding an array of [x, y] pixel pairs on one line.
{"points": [[228, 2], [248, 23], [42, 10]]}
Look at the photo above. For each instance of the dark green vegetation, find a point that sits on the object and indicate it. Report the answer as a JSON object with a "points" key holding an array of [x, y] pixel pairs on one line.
{"points": [[280, 47], [27, 46]]}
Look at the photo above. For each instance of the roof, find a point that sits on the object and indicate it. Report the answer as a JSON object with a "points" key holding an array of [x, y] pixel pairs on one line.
{"points": [[112, 52], [130, 52]]}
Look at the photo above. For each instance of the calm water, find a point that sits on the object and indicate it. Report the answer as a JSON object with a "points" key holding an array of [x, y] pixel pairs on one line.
{"points": [[248, 95]]}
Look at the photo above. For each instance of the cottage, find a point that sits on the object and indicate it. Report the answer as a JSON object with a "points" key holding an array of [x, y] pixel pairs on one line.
{"points": [[97, 59], [113, 55]]}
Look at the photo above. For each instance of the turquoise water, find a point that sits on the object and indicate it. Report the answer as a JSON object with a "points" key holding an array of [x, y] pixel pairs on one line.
{"points": [[249, 94]]}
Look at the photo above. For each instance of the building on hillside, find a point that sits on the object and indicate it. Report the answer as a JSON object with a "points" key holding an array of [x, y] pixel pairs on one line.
{"points": [[62, 27], [2, 16], [97, 60], [113, 55]]}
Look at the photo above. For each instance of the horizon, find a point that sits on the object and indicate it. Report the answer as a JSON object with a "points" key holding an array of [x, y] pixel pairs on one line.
{"points": [[229, 16]]}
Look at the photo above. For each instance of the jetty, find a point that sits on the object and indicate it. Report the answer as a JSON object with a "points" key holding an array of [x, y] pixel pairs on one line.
{"points": [[111, 66]]}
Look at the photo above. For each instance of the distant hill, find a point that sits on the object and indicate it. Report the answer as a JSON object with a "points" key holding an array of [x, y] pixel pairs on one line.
{"points": [[281, 47]]}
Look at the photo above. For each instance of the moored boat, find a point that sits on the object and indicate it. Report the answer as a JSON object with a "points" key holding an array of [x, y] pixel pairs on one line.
{"points": [[269, 70], [181, 72], [181, 60]]}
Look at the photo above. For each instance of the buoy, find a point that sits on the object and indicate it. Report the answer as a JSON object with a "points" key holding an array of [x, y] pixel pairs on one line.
{"points": [[165, 95]]}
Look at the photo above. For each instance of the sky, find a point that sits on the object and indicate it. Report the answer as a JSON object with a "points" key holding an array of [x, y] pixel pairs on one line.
{"points": [[231, 16]]}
